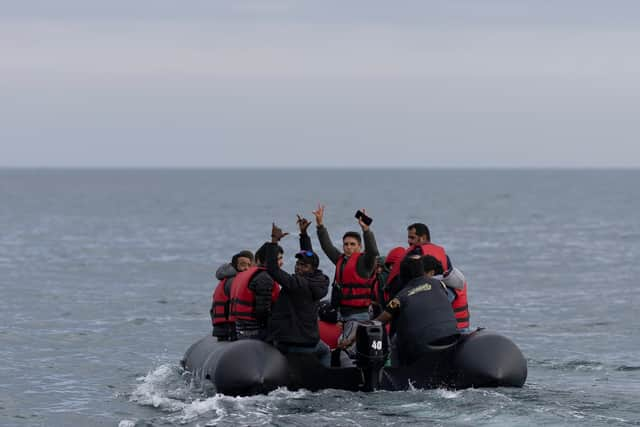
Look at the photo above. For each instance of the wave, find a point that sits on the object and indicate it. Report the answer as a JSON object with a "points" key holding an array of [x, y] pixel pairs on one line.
{"points": [[173, 391], [624, 368], [581, 365]]}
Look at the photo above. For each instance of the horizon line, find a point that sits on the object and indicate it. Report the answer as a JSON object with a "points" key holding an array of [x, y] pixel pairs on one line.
{"points": [[275, 168]]}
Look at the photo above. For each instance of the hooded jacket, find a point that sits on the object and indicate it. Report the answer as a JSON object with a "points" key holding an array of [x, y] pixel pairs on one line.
{"points": [[294, 316]]}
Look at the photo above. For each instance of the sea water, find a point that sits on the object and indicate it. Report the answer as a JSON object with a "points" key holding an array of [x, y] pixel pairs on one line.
{"points": [[106, 278]]}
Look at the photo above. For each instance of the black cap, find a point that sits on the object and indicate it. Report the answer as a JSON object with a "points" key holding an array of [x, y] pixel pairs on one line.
{"points": [[309, 258]]}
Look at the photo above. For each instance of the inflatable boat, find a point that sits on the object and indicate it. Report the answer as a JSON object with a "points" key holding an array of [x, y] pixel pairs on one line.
{"points": [[247, 367]]}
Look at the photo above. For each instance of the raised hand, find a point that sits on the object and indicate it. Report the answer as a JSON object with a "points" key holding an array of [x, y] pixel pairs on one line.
{"points": [[303, 224], [364, 226], [319, 214], [276, 233]]}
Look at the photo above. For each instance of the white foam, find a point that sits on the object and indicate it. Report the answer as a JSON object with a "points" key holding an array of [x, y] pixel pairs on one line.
{"points": [[448, 394], [225, 406], [154, 389], [160, 387], [193, 410]]}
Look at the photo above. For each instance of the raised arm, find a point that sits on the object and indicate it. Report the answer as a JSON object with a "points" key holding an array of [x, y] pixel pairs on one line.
{"points": [[330, 251], [305, 240], [367, 262], [286, 280]]}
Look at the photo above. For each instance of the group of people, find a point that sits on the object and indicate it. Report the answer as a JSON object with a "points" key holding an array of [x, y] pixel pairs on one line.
{"points": [[415, 288]]}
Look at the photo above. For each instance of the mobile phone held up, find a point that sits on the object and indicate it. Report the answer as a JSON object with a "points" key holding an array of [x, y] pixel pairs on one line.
{"points": [[366, 219]]}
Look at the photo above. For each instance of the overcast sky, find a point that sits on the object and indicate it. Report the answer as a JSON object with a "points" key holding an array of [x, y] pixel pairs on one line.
{"points": [[477, 83]]}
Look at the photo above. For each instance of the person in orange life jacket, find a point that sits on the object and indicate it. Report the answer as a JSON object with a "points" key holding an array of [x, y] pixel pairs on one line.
{"points": [[252, 296], [419, 240], [239, 262], [351, 290], [294, 321], [420, 313], [223, 328], [456, 285], [418, 234]]}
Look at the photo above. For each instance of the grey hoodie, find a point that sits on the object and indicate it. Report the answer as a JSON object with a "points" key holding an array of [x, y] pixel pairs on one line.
{"points": [[225, 270]]}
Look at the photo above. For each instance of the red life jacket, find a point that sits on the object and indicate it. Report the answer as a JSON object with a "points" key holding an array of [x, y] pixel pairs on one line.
{"points": [[355, 290], [427, 249], [243, 299], [460, 307], [378, 293], [220, 304]]}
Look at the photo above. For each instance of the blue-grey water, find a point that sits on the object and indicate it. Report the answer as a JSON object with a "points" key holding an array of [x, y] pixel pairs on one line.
{"points": [[106, 278]]}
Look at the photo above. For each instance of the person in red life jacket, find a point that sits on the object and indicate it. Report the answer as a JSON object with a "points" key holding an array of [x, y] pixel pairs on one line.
{"points": [[223, 328], [239, 262], [252, 296], [294, 320], [419, 240], [418, 234], [456, 284], [351, 290]]}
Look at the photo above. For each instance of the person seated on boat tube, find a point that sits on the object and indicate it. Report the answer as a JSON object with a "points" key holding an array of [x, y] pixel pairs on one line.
{"points": [[223, 328], [351, 289], [421, 314], [419, 240], [252, 295], [294, 319]]}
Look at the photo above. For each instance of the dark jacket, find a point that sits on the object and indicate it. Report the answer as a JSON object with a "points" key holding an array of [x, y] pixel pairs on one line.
{"points": [[294, 317], [422, 315]]}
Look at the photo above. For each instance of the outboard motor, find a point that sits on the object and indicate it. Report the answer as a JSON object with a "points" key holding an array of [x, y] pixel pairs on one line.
{"points": [[372, 349]]}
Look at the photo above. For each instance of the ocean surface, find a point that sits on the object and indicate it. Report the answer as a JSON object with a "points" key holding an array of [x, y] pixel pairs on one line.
{"points": [[106, 278]]}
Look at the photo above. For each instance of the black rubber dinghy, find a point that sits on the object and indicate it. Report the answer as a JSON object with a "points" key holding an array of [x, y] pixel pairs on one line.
{"points": [[248, 367]]}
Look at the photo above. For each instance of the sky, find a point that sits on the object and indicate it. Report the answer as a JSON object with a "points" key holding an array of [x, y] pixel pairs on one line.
{"points": [[284, 83]]}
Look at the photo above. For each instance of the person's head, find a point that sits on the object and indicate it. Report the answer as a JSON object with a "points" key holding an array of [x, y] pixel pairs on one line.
{"points": [[431, 266], [380, 264], [411, 268], [351, 243], [306, 262], [395, 255], [242, 260], [417, 234], [262, 252]]}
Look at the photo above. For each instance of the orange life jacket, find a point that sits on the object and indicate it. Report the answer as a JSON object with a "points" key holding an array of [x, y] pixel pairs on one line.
{"points": [[427, 249], [460, 307], [243, 299], [220, 304], [355, 290]]}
